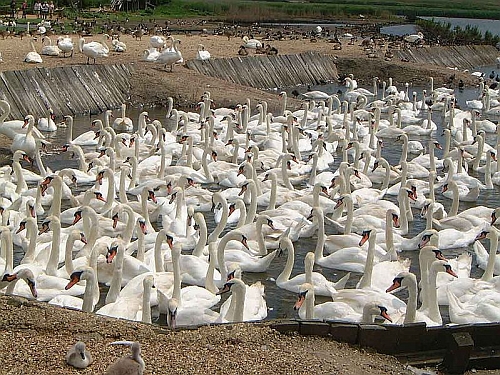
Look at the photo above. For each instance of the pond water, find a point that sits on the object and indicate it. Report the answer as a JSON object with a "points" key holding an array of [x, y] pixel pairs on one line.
{"points": [[280, 302]]}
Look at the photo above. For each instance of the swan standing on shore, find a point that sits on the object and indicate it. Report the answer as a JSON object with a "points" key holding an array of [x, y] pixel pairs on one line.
{"points": [[170, 56], [65, 44], [93, 50]]}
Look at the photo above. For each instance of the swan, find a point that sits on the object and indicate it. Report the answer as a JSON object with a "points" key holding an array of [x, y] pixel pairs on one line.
{"points": [[132, 364], [170, 57], [65, 44], [150, 55], [22, 274], [242, 308], [202, 54], [87, 274], [124, 123], [78, 356], [157, 41], [432, 316], [322, 286], [93, 50], [335, 310], [33, 57], [414, 38], [25, 142], [251, 42], [50, 50], [47, 124]]}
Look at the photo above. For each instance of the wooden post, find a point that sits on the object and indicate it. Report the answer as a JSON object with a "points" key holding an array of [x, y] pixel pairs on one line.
{"points": [[456, 359]]}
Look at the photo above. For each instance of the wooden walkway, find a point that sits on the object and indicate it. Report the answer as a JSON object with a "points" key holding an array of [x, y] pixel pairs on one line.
{"points": [[71, 90], [267, 72], [461, 57]]}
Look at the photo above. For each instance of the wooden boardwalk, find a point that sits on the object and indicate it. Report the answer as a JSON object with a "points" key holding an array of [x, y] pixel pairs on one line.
{"points": [[71, 90], [461, 57], [267, 72]]}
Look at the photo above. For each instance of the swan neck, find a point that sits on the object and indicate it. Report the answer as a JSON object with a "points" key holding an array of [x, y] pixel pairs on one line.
{"points": [[490, 266], [54, 251], [252, 210], [366, 279]]}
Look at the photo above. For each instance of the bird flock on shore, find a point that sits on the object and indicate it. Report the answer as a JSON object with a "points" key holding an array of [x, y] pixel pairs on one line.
{"points": [[268, 180]]}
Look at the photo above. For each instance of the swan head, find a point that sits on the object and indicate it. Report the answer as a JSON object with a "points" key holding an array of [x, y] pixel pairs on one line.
{"points": [[375, 309], [442, 266], [25, 274], [305, 291], [367, 234], [494, 215], [403, 279], [77, 276], [112, 252], [233, 271], [173, 304], [426, 238]]}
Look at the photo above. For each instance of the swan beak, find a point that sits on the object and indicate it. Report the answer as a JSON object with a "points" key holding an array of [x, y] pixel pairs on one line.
{"points": [[27, 159], [132, 142], [232, 208], [151, 195], [439, 255], [364, 237], [243, 189], [22, 226], [99, 177], [111, 254], [44, 229], [339, 203], [244, 242], [395, 221], [450, 271], [115, 220], [383, 314], [230, 275], [270, 224], [142, 225], [172, 315], [172, 198], [9, 278], [74, 278], [300, 301], [226, 288], [77, 217], [99, 197], [396, 283], [83, 238], [324, 190], [31, 284], [445, 188], [97, 135], [375, 166], [332, 183], [438, 146], [25, 123], [189, 220], [424, 241], [241, 170], [493, 218]]}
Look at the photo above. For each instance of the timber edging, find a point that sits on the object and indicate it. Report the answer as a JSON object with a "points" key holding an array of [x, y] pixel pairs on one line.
{"points": [[455, 347], [75, 90], [270, 71]]}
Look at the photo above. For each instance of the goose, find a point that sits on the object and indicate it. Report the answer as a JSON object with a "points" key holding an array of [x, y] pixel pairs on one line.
{"points": [[78, 356], [50, 50], [335, 310], [202, 54], [93, 50], [33, 57], [123, 123], [170, 57], [132, 364], [65, 44]]}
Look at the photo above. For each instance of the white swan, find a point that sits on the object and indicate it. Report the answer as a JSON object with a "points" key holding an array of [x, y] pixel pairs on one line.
{"points": [[93, 50], [242, 308], [170, 57], [33, 57], [50, 50], [202, 54], [123, 123], [47, 124], [65, 44], [335, 310]]}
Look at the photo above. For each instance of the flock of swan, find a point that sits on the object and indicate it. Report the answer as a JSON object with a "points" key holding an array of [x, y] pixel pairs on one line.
{"points": [[267, 180]]}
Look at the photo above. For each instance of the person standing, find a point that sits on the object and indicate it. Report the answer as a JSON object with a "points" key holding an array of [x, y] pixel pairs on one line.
{"points": [[37, 8], [45, 10], [51, 9], [24, 9], [13, 9]]}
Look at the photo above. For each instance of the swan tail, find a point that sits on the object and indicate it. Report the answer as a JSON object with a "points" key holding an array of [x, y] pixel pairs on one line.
{"points": [[341, 283]]}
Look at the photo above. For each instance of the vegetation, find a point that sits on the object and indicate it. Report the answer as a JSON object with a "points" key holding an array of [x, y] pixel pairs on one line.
{"points": [[445, 34]]}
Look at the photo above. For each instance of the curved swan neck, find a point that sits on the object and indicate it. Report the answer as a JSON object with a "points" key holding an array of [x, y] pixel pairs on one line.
{"points": [[252, 210], [366, 279], [490, 266], [217, 198], [290, 259], [274, 192], [202, 240], [54, 251], [411, 306]]}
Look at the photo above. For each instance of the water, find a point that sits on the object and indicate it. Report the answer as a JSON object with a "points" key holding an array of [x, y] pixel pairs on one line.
{"points": [[483, 25], [280, 302]]}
